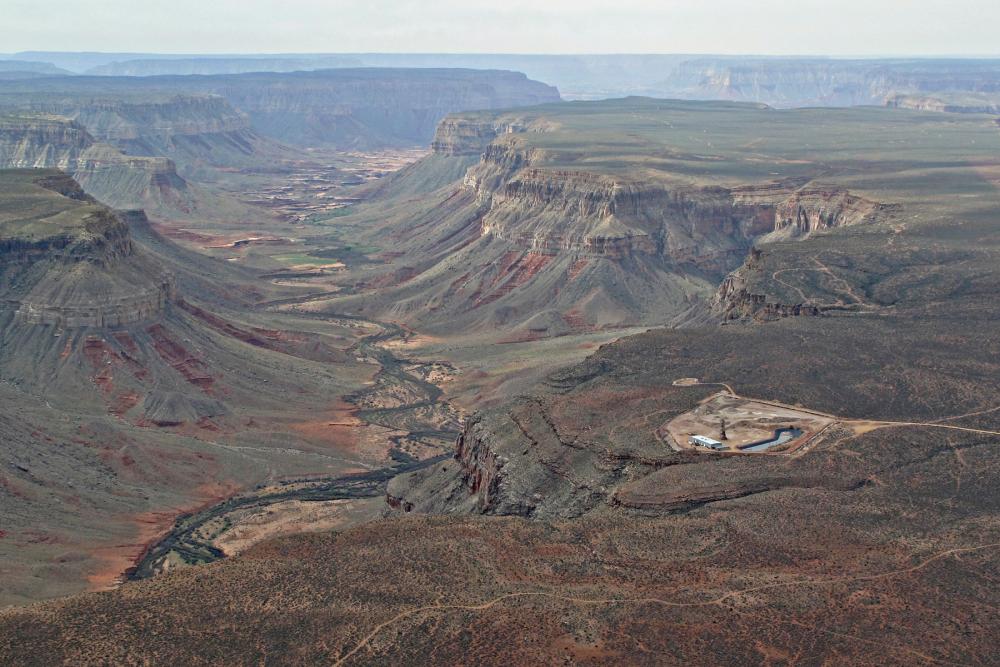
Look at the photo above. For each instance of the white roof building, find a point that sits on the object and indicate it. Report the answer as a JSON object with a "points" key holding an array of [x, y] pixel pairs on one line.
{"points": [[705, 441]]}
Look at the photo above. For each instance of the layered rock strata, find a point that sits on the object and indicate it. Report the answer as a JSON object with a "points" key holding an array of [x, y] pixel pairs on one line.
{"points": [[76, 267]]}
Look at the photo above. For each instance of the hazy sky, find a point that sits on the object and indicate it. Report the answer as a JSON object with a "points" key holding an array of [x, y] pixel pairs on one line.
{"points": [[857, 27]]}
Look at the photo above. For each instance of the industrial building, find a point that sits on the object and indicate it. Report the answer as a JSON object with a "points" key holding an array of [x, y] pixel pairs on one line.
{"points": [[705, 441]]}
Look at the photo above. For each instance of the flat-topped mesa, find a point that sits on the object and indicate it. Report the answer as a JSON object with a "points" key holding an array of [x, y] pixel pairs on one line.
{"points": [[133, 123], [127, 181], [68, 261], [547, 209], [463, 135]]}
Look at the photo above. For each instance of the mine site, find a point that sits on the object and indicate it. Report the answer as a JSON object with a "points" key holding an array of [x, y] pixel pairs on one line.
{"points": [[728, 423], [405, 333]]}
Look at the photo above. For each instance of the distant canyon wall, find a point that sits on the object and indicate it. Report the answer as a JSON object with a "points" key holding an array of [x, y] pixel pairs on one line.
{"points": [[346, 108], [117, 179], [777, 81]]}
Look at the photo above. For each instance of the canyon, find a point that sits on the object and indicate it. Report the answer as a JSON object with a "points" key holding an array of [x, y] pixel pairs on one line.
{"points": [[483, 348], [532, 241], [345, 108], [784, 81]]}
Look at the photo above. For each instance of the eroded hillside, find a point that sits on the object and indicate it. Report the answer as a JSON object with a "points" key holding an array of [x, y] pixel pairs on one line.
{"points": [[140, 380], [591, 216]]}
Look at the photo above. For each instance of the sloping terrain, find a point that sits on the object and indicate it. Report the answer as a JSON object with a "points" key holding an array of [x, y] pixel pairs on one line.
{"points": [[139, 380], [584, 216]]}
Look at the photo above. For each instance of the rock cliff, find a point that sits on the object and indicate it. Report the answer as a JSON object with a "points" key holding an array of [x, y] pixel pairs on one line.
{"points": [[75, 265], [191, 130], [117, 179], [542, 209], [541, 239], [735, 300], [366, 107], [462, 135]]}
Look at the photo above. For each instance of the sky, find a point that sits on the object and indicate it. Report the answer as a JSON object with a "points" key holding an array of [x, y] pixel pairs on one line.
{"points": [[801, 27]]}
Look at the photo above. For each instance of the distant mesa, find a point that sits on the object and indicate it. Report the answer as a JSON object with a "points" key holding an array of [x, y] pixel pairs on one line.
{"points": [[345, 108], [69, 261]]}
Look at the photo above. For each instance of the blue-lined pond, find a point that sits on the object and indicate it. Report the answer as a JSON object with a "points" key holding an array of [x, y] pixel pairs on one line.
{"points": [[781, 436]]}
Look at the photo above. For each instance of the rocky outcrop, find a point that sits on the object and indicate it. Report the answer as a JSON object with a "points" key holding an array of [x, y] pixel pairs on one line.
{"points": [[549, 210], [469, 135], [117, 179], [734, 299], [75, 266], [510, 462], [125, 181], [945, 104]]}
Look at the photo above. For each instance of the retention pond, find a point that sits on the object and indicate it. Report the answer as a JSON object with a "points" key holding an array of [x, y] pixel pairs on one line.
{"points": [[781, 436]]}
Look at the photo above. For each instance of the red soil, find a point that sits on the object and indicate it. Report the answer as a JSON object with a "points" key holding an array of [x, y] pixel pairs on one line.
{"points": [[150, 528], [124, 402], [515, 270], [172, 352]]}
